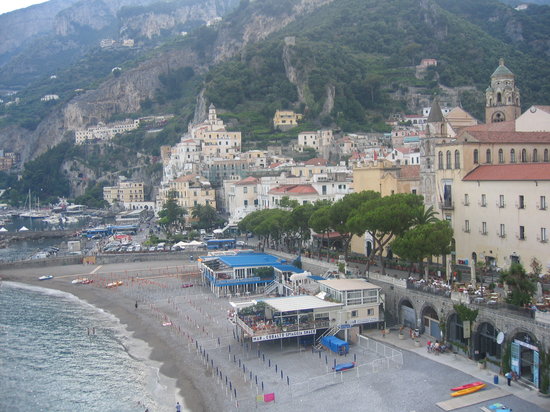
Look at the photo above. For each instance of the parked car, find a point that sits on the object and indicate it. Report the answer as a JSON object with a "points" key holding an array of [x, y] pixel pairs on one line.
{"points": [[241, 243], [152, 248]]}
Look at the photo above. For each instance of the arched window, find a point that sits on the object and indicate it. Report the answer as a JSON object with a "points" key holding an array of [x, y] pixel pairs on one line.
{"points": [[523, 156], [440, 160], [488, 156], [457, 159], [512, 156], [448, 159], [500, 156], [499, 97], [535, 155], [476, 157], [545, 155]]}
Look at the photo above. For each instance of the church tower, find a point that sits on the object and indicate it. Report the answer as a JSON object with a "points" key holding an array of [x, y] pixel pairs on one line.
{"points": [[436, 132], [502, 101]]}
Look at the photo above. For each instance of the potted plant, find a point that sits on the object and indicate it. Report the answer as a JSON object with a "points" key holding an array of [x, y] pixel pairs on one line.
{"points": [[401, 334], [482, 363]]}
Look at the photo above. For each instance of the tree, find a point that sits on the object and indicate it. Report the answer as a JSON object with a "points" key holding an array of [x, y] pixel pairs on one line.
{"points": [[286, 203], [423, 241], [320, 223], [384, 218], [342, 210], [465, 314], [207, 217], [522, 287], [172, 215]]}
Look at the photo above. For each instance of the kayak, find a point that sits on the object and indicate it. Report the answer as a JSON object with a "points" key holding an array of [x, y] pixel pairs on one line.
{"points": [[468, 385], [499, 407], [343, 367], [468, 390], [45, 277]]}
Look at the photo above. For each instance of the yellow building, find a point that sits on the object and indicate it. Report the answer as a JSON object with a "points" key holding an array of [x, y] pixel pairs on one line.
{"points": [[126, 192], [286, 119], [386, 178], [190, 191]]}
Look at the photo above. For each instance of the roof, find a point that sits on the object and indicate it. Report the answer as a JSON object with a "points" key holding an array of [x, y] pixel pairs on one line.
{"points": [[502, 70], [288, 268], [274, 165], [543, 108], [186, 178], [510, 172], [330, 235], [491, 136], [251, 259], [316, 161], [409, 172], [247, 181], [436, 115], [302, 302], [294, 190], [348, 284]]}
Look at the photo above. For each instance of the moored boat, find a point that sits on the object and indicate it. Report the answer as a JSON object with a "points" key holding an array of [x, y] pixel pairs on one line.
{"points": [[45, 277]]}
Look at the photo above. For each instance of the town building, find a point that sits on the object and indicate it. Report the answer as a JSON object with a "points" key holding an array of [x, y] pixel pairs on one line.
{"points": [[105, 131], [125, 193], [286, 119], [189, 191]]}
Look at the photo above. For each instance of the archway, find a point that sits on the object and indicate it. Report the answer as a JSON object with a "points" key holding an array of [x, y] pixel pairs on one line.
{"points": [[485, 342], [524, 360], [407, 314], [430, 322]]}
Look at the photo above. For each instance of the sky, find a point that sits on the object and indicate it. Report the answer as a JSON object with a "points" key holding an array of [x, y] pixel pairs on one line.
{"points": [[9, 5]]}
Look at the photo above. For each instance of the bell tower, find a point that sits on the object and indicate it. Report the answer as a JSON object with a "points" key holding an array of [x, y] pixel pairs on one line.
{"points": [[502, 101]]}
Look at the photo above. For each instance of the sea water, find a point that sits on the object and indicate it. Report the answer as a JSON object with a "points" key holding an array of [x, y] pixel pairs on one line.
{"points": [[58, 353]]}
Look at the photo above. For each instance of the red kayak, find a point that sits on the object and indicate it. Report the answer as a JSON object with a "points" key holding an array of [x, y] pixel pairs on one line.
{"points": [[468, 385]]}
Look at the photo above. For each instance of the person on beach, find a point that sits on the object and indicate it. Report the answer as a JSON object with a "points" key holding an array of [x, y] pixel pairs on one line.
{"points": [[178, 407], [136, 304]]}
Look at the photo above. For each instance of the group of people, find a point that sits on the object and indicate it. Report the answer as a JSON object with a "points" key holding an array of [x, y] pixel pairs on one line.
{"points": [[436, 347]]}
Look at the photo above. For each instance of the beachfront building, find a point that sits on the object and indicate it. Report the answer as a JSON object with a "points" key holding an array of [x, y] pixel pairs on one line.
{"points": [[304, 317], [360, 299], [241, 273]]}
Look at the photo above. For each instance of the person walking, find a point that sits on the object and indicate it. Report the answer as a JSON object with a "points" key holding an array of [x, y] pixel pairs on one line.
{"points": [[178, 407], [508, 376]]}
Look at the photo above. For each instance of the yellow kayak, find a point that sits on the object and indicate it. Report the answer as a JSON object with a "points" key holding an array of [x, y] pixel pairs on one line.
{"points": [[468, 390]]}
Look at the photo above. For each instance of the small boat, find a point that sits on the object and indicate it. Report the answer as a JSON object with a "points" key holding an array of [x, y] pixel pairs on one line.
{"points": [[45, 277], [343, 367], [81, 281], [499, 407], [468, 390], [166, 323], [468, 385], [114, 284]]}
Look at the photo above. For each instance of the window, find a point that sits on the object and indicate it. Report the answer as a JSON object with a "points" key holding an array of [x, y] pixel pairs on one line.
{"points": [[448, 159], [488, 156], [476, 156], [545, 158], [521, 233], [370, 312], [523, 156], [483, 228], [535, 155], [502, 230], [483, 200], [457, 159], [246, 203], [542, 205], [466, 199], [501, 201], [512, 156], [467, 226], [543, 236], [354, 313], [245, 190], [500, 156], [440, 160], [521, 202]]}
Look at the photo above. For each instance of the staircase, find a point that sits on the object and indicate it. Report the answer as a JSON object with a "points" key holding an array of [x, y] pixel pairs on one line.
{"points": [[329, 332], [270, 287]]}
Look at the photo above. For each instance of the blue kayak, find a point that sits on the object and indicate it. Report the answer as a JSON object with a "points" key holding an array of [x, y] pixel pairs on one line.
{"points": [[343, 367]]}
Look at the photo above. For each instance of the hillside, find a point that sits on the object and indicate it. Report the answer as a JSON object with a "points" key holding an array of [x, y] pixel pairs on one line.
{"points": [[345, 64]]}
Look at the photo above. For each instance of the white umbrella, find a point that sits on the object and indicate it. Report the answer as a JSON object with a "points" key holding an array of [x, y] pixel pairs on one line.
{"points": [[23, 229], [3, 229]]}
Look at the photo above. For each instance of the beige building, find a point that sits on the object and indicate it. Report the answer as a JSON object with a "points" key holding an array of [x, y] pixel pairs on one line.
{"points": [[190, 190], [126, 192], [502, 100], [286, 119], [217, 142], [316, 140], [105, 131]]}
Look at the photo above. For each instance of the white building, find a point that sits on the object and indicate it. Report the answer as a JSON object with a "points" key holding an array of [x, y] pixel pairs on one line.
{"points": [[105, 131]]}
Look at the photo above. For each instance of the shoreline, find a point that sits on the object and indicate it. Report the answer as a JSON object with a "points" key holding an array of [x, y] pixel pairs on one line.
{"points": [[174, 362]]}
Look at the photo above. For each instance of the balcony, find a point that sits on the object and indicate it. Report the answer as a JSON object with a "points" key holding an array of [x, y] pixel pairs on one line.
{"points": [[447, 205]]}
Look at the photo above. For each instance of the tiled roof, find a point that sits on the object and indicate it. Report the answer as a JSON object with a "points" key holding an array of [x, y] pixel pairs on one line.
{"points": [[520, 171], [294, 190], [316, 161], [274, 165], [410, 172], [509, 137], [543, 108], [247, 181], [186, 178]]}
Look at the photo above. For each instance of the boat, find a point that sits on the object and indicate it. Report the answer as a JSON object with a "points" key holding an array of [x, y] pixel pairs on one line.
{"points": [[468, 385], [167, 323], [344, 367], [45, 277], [114, 284], [499, 407], [468, 390], [81, 281]]}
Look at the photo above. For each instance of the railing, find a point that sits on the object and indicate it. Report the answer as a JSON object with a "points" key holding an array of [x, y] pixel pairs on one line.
{"points": [[245, 327], [271, 287], [504, 307], [388, 279], [426, 288]]}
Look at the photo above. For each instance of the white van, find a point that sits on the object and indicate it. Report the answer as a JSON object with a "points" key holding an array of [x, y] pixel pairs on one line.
{"points": [[160, 246]]}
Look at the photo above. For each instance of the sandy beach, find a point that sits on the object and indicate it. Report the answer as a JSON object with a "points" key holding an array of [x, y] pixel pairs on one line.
{"points": [[192, 338]]}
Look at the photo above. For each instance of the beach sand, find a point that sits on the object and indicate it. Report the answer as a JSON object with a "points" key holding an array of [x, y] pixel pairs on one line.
{"points": [[166, 348]]}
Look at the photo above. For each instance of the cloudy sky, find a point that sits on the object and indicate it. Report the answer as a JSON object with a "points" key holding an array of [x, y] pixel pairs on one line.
{"points": [[9, 5]]}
